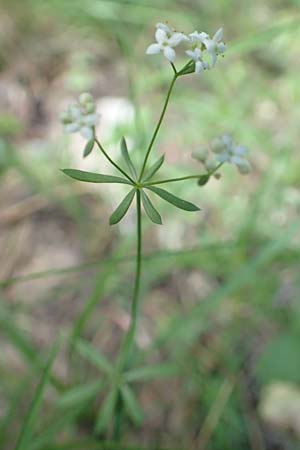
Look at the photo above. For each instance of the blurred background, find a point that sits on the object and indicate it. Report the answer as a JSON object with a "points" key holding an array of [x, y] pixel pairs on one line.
{"points": [[220, 290]]}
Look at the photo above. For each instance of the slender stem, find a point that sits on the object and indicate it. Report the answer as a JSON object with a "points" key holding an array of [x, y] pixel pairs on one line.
{"points": [[129, 339], [158, 125], [170, 180], [113, 162], [188, 177]]}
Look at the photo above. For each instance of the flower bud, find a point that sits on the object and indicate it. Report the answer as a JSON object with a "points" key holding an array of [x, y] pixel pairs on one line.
{"points": [[65, 118], [217, 145], [244, 167], [211, 164], [89, 107], [85, 98], [200, 154]]}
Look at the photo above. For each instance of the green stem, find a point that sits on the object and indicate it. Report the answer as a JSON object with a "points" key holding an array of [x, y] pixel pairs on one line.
{"points": [[113, 162], [129, 338], [189, 177], [170, 180], [158, 125]]}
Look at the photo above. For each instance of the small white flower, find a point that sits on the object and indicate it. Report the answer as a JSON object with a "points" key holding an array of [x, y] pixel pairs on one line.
{"points": [[166, 40], [215, 46], [227, 151], [196, 56], [198, 38], [81, 117]]}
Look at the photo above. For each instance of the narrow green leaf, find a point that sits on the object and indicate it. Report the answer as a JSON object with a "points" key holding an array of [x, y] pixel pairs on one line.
{"points": [[80, 394], [131, 404], [148, 373], [203, 180], [88, 148], [154, 168], [151, 212], [122, 209], [32, 414], [93, 355], [106, 411], [91, 177], [126, 157], [176, 201]]}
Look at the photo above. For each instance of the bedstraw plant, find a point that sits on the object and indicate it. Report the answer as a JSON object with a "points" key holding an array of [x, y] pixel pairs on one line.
{"points": [[202, 53]]}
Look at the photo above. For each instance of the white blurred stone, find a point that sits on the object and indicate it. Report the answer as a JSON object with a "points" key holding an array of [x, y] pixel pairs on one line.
{"points": [[280, 406]]}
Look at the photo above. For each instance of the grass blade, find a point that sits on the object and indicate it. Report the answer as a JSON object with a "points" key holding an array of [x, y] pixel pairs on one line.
{"points": [[31, 416]]}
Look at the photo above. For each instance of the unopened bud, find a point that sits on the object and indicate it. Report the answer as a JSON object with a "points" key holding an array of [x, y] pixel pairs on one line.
{"points": [[200, 154]]}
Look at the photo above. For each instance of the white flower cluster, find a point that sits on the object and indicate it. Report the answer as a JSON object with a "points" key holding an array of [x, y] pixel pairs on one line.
{"points": [[201, 45], [81, 116], [223, 149]]}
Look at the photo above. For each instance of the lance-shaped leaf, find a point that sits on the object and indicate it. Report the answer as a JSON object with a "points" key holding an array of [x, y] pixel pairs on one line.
{"points": [[176, 201], [151, 212], [106, 412], [88, 148], [93, 355], [131, 404], [80, 394], [151, 372], [154, 168], [122, 209], [126, 157], [91, 177]]}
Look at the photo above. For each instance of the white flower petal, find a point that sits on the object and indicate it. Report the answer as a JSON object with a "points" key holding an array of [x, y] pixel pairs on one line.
{"points": [[72, 127], [160, 36], [218, 35], [199, 67], [191, 54], [164, 27], [176, 39], [213, 58], [153, 49], [169, 53]]}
